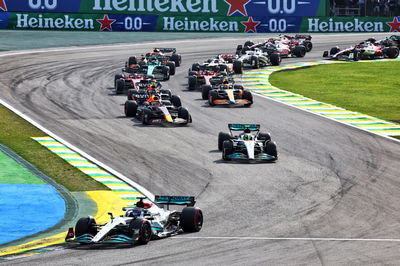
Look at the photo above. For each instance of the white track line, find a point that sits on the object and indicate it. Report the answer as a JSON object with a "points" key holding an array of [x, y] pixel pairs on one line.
{"points": [[289, 238], [145, 192]]}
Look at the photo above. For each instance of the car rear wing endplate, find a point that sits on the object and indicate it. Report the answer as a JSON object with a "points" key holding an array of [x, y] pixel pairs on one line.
{"points": [[239, 127], [175, 200]]}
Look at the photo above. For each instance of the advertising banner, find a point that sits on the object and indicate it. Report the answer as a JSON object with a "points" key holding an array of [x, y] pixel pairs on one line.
{"points": [[120, 22], [350, 24], [217, 8]]}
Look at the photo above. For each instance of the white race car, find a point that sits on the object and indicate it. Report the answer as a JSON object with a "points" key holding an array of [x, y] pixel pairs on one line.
{"points": [[255, 58], [251, 145], [140, 224]]}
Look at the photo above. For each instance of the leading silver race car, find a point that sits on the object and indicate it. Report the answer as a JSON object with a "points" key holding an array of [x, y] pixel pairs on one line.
{"points": [[255, 58], [251, 145], [141, 223]]}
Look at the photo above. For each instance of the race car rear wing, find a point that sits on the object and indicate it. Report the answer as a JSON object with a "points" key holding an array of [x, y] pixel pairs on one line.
{"points": [[166, 50], [240, 127], [303, 36], [175, 200]]}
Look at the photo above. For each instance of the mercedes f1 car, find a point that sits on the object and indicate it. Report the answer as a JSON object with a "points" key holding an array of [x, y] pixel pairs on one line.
{"points": [[140, 224], [157, 66], [250, 145], [158, 111], [393, 40], [255, 58], [363, 50], [168, 53]]}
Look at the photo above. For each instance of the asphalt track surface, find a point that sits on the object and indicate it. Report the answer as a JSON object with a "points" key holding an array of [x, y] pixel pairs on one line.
{"points": [[331, 184]]}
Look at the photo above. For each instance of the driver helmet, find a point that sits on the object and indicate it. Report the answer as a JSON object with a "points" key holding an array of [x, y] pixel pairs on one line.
{"points": [[247, 136]]}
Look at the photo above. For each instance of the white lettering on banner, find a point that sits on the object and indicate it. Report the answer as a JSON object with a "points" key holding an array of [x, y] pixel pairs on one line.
{"points": [[314, 25], [170, 24], [65, 22], [179, 6]]}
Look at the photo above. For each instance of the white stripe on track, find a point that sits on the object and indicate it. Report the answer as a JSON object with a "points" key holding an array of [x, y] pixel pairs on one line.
{"points": [[289, 238]]}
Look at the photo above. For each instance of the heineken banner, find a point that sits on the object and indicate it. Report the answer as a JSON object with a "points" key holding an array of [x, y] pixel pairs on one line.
{"points": [[350, 24], [214, 8], [120, 22]]}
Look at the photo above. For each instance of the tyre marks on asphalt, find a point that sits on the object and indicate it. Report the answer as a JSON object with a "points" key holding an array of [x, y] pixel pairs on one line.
{"points": [[258, 82], [126, 192]]}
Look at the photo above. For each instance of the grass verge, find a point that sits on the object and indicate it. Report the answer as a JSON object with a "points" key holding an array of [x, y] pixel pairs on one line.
{"points": [[16, 133], [369, 88]]}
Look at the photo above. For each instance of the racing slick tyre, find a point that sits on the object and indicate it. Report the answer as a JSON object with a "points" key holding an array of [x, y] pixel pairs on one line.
{"points": [[167, 94], [195, 67], [119, 86], [254, 62], [117, 77], [239, 49], [248, 96], [334, 50], [248, 44], [130, 108], [145, 118], [192, 73], [171, 66], [212, 96], [85, 226], [264, 136], [191, 219], [177, 59], [192, 80], [270, 148], [140, 229], [166, 72], [392, 52], [299, 51], [227, 149], [132, 60], [238, 67], [184, 114], [238, 87], [176, 101], [308, 46], [275, 59], [205, 90], [222, 136]]}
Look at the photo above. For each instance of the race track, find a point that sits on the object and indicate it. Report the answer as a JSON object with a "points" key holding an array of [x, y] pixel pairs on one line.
{"points": [[332, 183]]}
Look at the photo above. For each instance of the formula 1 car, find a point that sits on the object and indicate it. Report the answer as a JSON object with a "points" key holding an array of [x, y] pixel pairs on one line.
{"points": [[227, 94], [140, 224], [255, 58], [363, 50], [130, 81], [157, 66], [393, 40], [158, 111], [284, 45], [251, 145], [168, 53], [203, 76]]}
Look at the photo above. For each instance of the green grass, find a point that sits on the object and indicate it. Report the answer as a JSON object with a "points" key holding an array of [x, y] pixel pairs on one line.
{"points": [[16, 133], [369, 88]]}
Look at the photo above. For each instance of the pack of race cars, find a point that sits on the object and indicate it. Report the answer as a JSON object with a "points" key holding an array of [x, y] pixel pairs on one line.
{"points": [[151, 104]]}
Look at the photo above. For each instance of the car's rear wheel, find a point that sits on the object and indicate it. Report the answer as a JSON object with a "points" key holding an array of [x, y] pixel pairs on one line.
{"points": [[184, 114], [130, 108], [143, 228], [299, 51], [119, 86], [165, 72], [195, 67], [192, 80], [177, 59], [176, 101], [171, 66], [392, 52], [132, 60], [191, 219], [308, 45], [238, 67], [255, 62], [334, 50]]}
